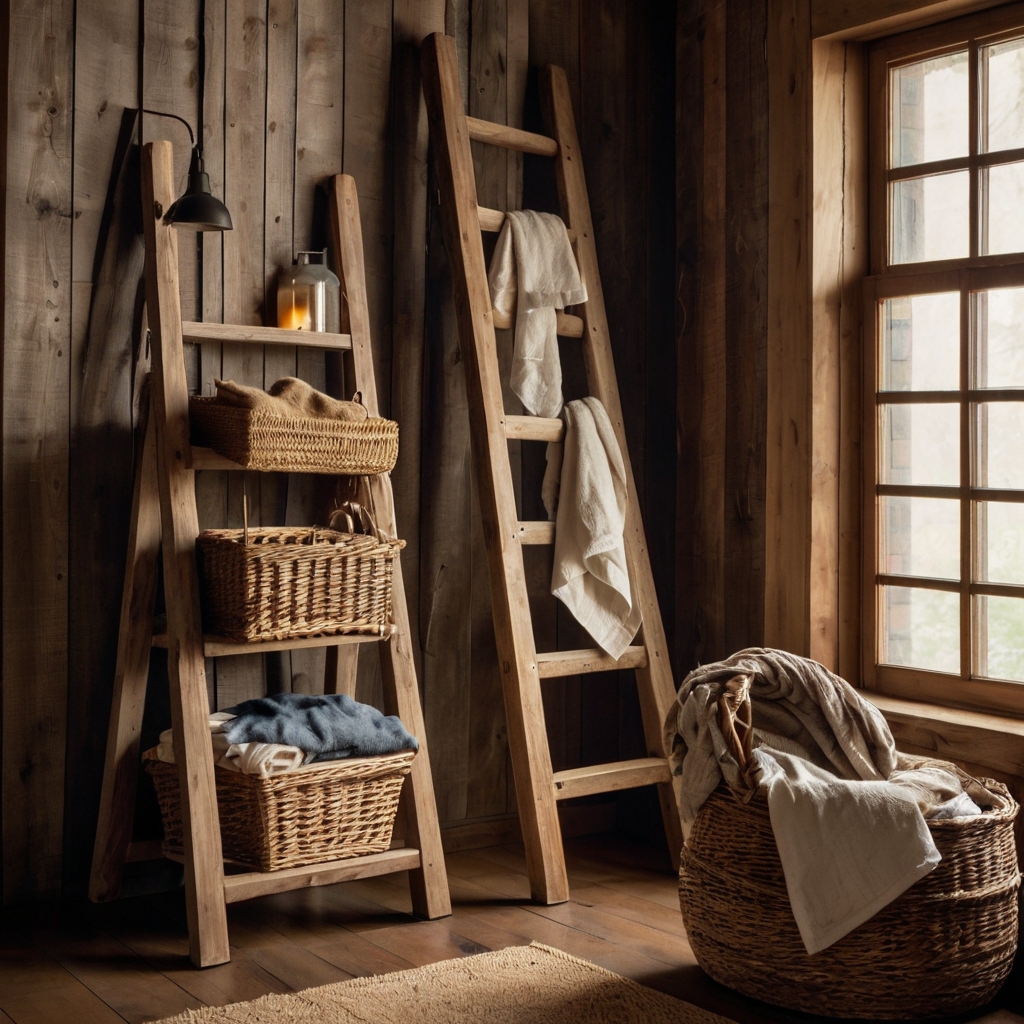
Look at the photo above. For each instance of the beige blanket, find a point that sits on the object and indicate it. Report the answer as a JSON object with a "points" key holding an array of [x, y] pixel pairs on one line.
{"points": [[848, 813], [249, 758], [290, 397], [533, 269]]}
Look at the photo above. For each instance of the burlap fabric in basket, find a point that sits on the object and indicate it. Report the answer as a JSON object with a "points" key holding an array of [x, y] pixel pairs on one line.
{"points": [[945, 946], [259, 440], [277, 583], [323, 812]]}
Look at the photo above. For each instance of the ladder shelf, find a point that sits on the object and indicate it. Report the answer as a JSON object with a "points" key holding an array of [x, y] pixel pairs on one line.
{"points": [[164, 521]]}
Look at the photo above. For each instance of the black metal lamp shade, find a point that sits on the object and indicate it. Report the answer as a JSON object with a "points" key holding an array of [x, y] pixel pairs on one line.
{"points": [[198, 209]]}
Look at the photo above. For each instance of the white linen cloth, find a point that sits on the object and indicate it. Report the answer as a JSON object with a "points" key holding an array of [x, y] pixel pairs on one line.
{"points": [[249, 758], [590, 576], [533, 269], [847, 848]]}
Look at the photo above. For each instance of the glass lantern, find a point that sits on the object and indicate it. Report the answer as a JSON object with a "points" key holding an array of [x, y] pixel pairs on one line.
{"points": [[308, 295]]}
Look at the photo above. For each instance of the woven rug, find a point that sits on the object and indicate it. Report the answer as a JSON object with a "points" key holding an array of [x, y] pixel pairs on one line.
{"points": [[519, 985]]}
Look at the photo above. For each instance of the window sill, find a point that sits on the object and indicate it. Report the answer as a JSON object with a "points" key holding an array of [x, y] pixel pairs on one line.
{"points": [[982, 738]]}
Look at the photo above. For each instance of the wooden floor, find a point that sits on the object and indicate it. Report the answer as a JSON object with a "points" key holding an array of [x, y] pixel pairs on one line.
{"points": [[127, 961]]}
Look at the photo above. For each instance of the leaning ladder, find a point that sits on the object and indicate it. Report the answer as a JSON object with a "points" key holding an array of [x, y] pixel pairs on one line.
{"points": [[164, 518], [538, 787]]}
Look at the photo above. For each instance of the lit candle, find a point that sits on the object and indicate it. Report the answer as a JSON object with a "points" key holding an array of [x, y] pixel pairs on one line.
{"points": [[294, 313]]}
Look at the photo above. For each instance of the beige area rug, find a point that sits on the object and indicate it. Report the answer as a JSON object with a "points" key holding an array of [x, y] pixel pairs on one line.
{"points": [[519, 985]]}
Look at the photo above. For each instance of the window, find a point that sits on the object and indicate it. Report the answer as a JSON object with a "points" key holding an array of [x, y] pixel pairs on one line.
{"points": [[944, 403]]}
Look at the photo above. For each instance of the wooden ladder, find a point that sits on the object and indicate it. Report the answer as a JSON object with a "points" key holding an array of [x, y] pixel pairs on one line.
{"points": [[538, 787], [164, 518]]}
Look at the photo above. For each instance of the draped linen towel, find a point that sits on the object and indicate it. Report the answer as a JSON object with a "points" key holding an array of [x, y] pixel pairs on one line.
{"points": [[590, 576], [533, 269]]}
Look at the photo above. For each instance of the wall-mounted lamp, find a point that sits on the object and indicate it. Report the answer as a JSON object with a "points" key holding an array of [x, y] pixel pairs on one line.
{"points": [[198, 209]]}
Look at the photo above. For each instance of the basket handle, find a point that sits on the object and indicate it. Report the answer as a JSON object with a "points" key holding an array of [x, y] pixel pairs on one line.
{"points": [[351, 517]]}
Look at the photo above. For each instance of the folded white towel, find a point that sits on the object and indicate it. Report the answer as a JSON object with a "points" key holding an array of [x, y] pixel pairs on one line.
{"points": [[249, 758], [534, 270], [590, 575], [848, 848]]}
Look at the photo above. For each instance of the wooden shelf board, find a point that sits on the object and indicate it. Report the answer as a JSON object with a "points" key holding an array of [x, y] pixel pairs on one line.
{"points": [[218, 647], [198, 333], [261, 883]]}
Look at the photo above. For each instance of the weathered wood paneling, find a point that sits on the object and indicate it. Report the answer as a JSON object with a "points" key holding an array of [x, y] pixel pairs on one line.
{"points": [[295, 90]]}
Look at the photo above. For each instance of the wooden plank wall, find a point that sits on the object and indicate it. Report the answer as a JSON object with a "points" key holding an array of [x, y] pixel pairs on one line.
{"points": [[295, 90], [721, 327]]}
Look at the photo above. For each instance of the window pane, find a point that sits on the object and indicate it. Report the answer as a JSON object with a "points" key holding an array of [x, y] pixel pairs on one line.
{"points": [[929, 110], [1000, 556], [1003, 197], [1000, 642], [921, 343], [919, 537], [999, 338], [999, 442], [920, 444], [1002, 71], [930, 218], [920, 629]]}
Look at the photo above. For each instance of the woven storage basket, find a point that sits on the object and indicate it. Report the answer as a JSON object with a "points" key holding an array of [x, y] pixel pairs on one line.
{"points": [[262, 441], [330, 811], [943, 947], [290, 582]]}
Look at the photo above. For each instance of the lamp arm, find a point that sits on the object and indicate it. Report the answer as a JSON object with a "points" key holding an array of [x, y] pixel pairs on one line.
{"points": [[160, 113]]}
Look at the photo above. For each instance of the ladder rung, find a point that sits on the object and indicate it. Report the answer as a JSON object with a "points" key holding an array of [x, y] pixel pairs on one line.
{"points": [[534, 428], [606, 778], [553, 664], [200, 333], [537, 532], [261, 883], [218, 647], [492, 220], [568, 326], [511, 138]]}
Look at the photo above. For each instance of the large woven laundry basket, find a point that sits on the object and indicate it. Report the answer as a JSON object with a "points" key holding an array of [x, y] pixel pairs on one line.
{"points": [[945, 946]]}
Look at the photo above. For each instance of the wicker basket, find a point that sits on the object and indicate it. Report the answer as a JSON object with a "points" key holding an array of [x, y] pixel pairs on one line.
{"points": [[262, 441], [943, 947], [324, 812], [290, 582]]}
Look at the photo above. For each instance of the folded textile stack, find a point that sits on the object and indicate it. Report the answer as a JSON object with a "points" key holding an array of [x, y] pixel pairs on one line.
{"points": [[272, 735], [848, 813]]}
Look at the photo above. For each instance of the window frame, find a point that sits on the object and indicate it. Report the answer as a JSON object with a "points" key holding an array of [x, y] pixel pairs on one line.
{"points": [[967, 276]]}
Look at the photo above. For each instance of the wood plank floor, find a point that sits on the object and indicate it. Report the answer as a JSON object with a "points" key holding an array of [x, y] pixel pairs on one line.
{"points": [[127, 961]]}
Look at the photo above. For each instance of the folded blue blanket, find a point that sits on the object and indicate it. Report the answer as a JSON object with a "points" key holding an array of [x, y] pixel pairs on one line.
{"points": [[327, 725]]}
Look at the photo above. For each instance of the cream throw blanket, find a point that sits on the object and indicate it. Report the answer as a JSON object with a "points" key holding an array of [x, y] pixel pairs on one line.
{"points": [[249, 758], [846, 810], [533, 269], [590, 575]]}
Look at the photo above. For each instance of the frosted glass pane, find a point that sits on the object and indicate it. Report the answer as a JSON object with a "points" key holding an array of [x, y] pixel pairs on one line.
{"points": [[919, 537], [999, 439], [920, 629], [1001, 654], [999, 338], [1002, 64], [1000, 542], [930, 218], [920, 444], [929, 110], [1004, 188], [921, 343]]}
